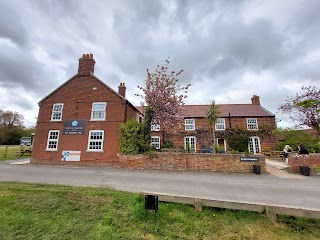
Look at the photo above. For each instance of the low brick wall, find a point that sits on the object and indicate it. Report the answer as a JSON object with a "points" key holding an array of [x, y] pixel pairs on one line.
{"points": [[191, 161], [309, 160]]}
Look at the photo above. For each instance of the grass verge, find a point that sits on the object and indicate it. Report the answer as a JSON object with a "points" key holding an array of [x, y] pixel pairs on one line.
{"points": [[10, 152], [39, 211]]}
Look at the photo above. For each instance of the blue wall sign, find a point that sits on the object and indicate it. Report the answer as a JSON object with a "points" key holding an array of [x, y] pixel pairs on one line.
{"points": [[74, 127]]}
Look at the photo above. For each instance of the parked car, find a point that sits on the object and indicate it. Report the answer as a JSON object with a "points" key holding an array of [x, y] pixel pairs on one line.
{"points": [[206, 150], [25, 141]]}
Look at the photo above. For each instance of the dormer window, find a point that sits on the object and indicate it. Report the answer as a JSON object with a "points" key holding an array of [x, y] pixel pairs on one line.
{"points": [[189, 124], [57, 112], [155, 127], [252, 124]]}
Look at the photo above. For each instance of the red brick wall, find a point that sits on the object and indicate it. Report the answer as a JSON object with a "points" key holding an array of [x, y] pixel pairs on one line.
{"points": [[203, 132], [193, 162], [77, 96], [297, 160]]}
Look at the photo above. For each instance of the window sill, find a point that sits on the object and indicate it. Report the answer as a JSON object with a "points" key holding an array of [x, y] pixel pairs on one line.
{"points": [[97, 120], [95, 151], [56, 120], [51, 150]]}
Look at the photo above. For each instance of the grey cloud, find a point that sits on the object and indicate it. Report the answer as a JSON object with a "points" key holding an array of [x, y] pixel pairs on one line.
{"points": [[11, 25]]}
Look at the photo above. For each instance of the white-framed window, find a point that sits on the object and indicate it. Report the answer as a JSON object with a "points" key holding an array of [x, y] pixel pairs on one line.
{"points": [[252, 124], [189, 124], [139, 118], [254, 145], [53, 139], [190, 143], [57, 112], [220, 124], [95, 141], [155, 142], [98, 111], [155, 127], [222, 144]]}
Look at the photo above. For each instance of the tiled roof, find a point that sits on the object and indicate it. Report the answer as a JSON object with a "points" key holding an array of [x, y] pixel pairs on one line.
{"points": [[235, 110]]}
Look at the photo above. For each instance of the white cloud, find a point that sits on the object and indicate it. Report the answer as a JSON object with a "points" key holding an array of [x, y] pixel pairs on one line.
{"points": [[229, 50]]}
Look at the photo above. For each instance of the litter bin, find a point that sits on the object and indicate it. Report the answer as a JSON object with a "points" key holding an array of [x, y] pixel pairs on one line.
{"points": [[256, 169], [305, 171], [151, 202]]}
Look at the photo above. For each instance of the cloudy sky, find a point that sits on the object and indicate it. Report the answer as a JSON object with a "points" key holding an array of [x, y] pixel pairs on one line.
{"points": [[229, 49]]}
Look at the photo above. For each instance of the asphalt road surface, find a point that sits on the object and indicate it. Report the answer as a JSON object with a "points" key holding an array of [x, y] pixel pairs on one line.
{"points": [[301, 192]]}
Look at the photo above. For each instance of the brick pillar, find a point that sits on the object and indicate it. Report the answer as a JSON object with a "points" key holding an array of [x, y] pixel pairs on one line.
{"points": [[255, 100], [122, 90], [86, 65]]}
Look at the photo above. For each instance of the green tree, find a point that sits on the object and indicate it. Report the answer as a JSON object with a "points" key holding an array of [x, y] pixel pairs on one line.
{"points": [[238, 139], [212, 116], [129, 135], [11, 126], [295, 138], [144, 137], [134, 137]]}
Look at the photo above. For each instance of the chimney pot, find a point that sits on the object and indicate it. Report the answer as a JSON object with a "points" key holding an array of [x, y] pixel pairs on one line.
{"points": [[255, 100], [122, 90], [86, 65]]}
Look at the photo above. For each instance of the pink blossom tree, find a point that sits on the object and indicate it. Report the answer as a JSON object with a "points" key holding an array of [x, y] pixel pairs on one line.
{"points": [[304, 108], [164, 96]]}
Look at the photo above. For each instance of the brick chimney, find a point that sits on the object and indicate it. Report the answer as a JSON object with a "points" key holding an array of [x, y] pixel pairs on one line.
{"points": [[122, 90], [86, 65], [255, 100]]}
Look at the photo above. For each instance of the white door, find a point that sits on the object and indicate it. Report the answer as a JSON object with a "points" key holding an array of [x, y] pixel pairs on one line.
{"points": [[254, 145], [191, 142]]}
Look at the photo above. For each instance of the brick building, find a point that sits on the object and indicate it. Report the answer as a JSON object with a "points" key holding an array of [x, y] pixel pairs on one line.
{"points": [[197, 132], [79, 121]]}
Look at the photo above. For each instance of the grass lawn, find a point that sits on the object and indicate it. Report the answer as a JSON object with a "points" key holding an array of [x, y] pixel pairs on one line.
{"points": [[10, 152], [39, 211]]}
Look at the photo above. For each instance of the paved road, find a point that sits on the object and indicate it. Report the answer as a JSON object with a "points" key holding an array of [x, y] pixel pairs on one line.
{"points": [[245, 187]]}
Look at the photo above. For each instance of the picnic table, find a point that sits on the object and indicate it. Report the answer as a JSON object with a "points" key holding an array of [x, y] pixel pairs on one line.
{"points": [[23, 151]]}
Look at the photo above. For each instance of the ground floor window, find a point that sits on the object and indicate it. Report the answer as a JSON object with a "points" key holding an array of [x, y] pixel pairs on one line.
{"points": [[53, 139], [190, 143], [254, 145], [155, 142], [95, 141]]}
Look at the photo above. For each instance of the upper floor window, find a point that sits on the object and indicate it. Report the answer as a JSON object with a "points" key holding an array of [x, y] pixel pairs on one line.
{"points": [[98, 111], [155, 127], [220, 124], [155, 142], [189, 124], [52, 142], [95, 141], [57, 112], [252, 124], [139, 118]]}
